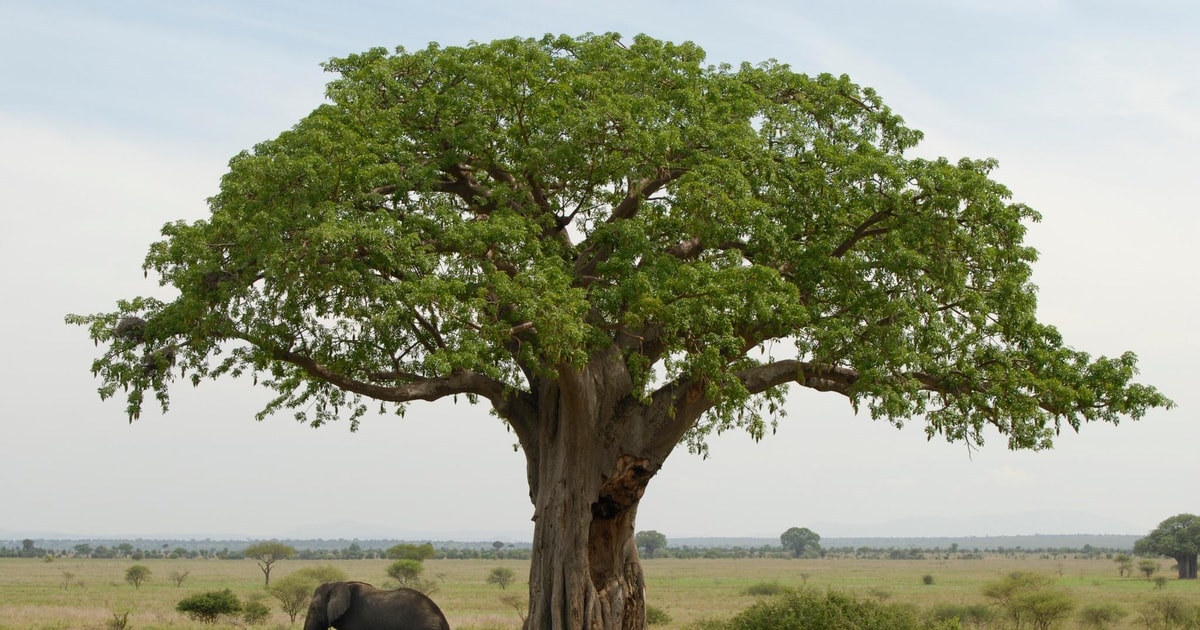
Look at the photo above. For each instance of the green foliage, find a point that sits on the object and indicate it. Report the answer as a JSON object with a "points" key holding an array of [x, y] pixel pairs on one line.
{"points": [[1148, 568], [137, 575], [293, 592], [809, 610], [765, 589], [1101, 616], [1170, 611], [267, 553], [407, 573], [256, 613], [458, 220], [324, 573], [209, 606], [1177, 537], [1124, 564], [656, 616], [407, 551], [1029, 598], [969, 615], [650, 541], [501, 576], [927, 579], [800, 540]]}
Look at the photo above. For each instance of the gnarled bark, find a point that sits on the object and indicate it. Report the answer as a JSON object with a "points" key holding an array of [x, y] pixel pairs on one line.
{"points": [[585, 486]]}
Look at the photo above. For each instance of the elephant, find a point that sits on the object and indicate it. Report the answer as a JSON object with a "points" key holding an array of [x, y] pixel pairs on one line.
{"points": [[360, 606]]}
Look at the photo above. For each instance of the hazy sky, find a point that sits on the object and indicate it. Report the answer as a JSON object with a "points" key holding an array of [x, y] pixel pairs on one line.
{"points": [[120, 116]]}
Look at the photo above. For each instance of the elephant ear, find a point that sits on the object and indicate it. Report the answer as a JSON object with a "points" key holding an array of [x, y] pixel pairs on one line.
{"points": [[338, 602]]}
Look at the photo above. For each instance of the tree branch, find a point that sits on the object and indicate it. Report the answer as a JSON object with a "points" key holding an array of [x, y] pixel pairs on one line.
{"points": [[863, 231]]}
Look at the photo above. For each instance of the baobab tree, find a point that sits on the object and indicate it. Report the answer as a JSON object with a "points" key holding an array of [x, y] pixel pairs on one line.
{"points": [[619, 249]]}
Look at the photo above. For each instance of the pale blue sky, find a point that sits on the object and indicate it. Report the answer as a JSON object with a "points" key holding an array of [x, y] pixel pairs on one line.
{"points": [[117, 117]]}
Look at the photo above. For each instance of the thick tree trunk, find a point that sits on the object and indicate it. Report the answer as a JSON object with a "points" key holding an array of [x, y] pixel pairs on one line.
{"points": [[585, 573], [1187, 566]]}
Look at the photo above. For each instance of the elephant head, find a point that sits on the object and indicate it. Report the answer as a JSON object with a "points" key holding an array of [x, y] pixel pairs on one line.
{"points": [[360, 606]]}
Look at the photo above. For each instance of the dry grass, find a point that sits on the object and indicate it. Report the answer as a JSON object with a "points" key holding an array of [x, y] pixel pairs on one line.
{"points": [[34, 594]]}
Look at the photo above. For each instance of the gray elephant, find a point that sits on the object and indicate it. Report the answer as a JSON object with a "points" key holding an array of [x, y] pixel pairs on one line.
{"points": [[360, 606]]}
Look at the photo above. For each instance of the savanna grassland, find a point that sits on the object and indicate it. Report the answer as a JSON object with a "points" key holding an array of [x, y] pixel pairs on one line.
{"points": [[85, 593]]}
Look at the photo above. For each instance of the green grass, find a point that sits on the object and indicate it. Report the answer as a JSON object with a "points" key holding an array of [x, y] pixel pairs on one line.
{"points": [[33, 597]]}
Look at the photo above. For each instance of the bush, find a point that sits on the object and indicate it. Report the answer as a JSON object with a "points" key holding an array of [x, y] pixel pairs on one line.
{"points": [[765, 589], [323, 574], [976, 615], [1101, 616], [656, 616], [137, 575], [927, 579], [809, 610], [255, 613], [209, 606], [502, 577], [293, 592]]}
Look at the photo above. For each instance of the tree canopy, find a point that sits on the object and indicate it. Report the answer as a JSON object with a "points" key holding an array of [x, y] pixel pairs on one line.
{"points": [[799, 540], [620, 249], [651, 541], [267, 553], [1177, 537]]}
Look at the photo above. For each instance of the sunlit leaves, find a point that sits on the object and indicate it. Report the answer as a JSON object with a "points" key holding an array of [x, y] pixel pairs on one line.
{"points": [[473, 219]]}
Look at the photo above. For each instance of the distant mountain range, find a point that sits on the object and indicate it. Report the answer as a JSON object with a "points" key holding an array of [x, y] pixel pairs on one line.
{"points": [[982, 531], [961, 543]]}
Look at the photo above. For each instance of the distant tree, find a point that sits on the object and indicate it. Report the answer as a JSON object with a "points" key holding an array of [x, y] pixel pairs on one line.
{"points": [[267, 554], [29, 549], [799, 540], [1124, 564], [137, 575], [1148, 568], [497, 545], [124, 549], [67, 577], [209, 606], [323, 574], [651, 541], [406, 572], [501, 576], [177, 577], [83, 549], [407, 551], [1177, 537], [293, 592]]}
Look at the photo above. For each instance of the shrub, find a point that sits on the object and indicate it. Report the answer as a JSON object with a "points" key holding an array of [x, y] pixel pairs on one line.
{"points": [[255, 613], [501, 576], [1169, 611], [656, 616], [927, 579], [120, 621], [975, 615], [323, 574], [766, 589], [1101, 616], [137, 575], [829, 611], [293, 592], [207, 607]]}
